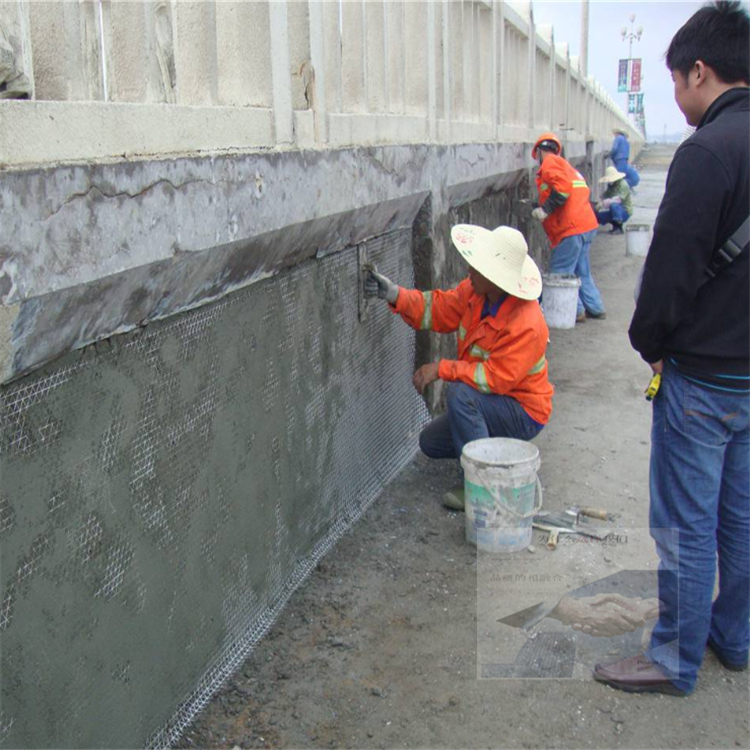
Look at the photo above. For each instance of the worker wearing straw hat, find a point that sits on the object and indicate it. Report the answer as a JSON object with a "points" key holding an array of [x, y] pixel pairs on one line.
{"points": [[616, 205], [497, 384]]}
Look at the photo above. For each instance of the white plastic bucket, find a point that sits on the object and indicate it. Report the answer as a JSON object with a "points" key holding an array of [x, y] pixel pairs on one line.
{"points": [[502, 492], [637, 240], [560, 299]]}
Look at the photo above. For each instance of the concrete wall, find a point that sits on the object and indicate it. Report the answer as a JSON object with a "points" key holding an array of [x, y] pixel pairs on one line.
{"points": [[186, 424], [133, 79]]}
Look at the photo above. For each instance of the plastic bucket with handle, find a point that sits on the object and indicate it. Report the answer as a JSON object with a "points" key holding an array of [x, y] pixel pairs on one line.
{"points": [[502, 492], [560, 299]]}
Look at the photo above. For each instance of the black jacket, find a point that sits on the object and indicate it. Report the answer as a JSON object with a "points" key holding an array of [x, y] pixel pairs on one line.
{"points": [[681, 313]]}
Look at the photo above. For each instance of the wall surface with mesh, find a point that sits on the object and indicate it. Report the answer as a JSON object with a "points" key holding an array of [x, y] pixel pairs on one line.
{"points": [[163, 495]]}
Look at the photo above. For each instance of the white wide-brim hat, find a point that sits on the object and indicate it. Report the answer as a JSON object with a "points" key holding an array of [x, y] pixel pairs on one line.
{"points": [[612, 174], [619, 130], [501, 256]]}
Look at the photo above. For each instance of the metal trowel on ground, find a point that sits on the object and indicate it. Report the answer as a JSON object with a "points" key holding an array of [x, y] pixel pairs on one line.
{"points": [[575, 520]]}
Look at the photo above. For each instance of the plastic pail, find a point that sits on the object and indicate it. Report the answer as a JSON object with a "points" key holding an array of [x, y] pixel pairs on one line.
{"points": [[637, 240], [560, 299], [502, 493]]}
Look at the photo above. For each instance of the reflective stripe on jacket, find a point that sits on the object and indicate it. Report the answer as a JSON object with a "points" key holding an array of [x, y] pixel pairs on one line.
{"points": [[504, 354], [574, 217]]}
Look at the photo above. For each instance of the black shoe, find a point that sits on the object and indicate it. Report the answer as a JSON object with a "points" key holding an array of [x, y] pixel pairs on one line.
{"points": [[617, 229], [731, 666], [596, 316]]}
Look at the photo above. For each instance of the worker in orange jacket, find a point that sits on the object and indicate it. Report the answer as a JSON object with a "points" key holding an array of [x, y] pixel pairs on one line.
{"points": [[569, 221], [497, 385]]}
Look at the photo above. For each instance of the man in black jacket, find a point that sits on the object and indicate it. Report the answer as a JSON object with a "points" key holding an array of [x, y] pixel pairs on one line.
{"points": [[691, 324]]}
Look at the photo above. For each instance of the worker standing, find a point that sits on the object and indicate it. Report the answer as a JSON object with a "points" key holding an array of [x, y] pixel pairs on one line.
{"points": [[568, 220], [620, 155], [497, 385], [692, 326]]}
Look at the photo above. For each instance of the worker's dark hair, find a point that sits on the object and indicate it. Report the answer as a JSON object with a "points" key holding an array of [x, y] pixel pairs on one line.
{"points": [[719, 35]]}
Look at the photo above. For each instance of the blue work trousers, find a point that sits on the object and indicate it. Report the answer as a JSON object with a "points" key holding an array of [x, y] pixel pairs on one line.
{"points": [[572, 256], [615, 214], [700, 508], [631, 173], [471, 416]]}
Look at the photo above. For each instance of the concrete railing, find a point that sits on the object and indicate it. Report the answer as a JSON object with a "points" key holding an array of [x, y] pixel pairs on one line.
{"points": [[115, 79]]}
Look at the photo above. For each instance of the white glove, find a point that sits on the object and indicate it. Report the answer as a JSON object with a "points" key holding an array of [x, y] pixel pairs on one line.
{"points": [[607, 202], [616, 199], [381, 286], [539, 214]]}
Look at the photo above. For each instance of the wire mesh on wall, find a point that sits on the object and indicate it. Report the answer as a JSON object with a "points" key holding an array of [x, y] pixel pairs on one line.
{"points": [[164, 493]]}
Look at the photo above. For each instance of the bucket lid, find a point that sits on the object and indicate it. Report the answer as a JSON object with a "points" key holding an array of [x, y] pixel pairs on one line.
{"points": [[500, 452]]}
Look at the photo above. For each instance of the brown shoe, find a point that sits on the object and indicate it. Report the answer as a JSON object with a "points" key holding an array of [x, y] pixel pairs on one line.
{"points": [[636, 675]]}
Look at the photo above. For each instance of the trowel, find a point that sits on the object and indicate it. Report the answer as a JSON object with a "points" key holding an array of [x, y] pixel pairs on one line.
{"points": [[575, 520]]}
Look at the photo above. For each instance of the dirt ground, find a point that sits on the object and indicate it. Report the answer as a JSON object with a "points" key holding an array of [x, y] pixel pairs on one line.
{"points": [[390, 641]]}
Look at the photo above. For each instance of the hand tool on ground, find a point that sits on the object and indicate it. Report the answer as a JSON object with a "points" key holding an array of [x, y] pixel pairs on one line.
{"points": [[554, 535], [583, 510], [653, 387], [570, 523]]}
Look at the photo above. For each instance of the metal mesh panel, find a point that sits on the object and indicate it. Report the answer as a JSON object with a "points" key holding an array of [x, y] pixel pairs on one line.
{"points": [[164, 494]]}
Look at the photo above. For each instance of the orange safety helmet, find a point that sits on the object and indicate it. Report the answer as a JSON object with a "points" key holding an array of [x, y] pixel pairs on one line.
{"points": [[546, 137]]}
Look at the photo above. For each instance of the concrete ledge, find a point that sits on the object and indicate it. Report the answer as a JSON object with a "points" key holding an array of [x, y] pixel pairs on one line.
{"points": [[90, 251], [43, 132]]}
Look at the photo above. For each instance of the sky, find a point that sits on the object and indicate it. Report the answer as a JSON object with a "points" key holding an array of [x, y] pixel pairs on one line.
{"points": [[660, 20]]}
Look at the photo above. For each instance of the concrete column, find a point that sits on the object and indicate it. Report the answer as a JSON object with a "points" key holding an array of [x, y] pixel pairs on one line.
{"points": [[319, 71], [485, 64], [244, 53], [300, 63], [419, 58], [139, 52], [331, 13], [281, 80], [432, 78], [447, 69], [455, 31], [352, 57], [15, 21], [66, 46], [531, 72], [374, 51], [552, 81], [498, 33], [395, 40], [195, 55]]}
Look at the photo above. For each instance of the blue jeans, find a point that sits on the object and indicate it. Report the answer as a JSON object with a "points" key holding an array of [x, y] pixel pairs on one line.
{"points": [[615, 214], [473, 415], [572, 256], [700, 506], [631, 173]]}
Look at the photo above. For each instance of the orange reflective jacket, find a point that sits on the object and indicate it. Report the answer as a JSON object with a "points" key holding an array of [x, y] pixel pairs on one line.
{"points": [[574, 217], [502, 354]]}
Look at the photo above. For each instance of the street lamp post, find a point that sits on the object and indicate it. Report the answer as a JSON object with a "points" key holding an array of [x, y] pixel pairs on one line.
{"points": [[631, 35]]}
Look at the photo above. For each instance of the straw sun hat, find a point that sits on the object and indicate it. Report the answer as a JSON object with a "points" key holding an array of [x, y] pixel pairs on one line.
{"points": [[501, 256], [611, 174]]}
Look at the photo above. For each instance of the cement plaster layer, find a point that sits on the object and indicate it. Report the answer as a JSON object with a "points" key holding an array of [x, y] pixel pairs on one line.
{"points": [[160, 492], [93, 251]]}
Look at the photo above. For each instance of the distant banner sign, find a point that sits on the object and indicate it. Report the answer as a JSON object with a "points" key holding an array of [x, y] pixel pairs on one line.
{"points": [[635, 75], [622, 76], [635, 104]]}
